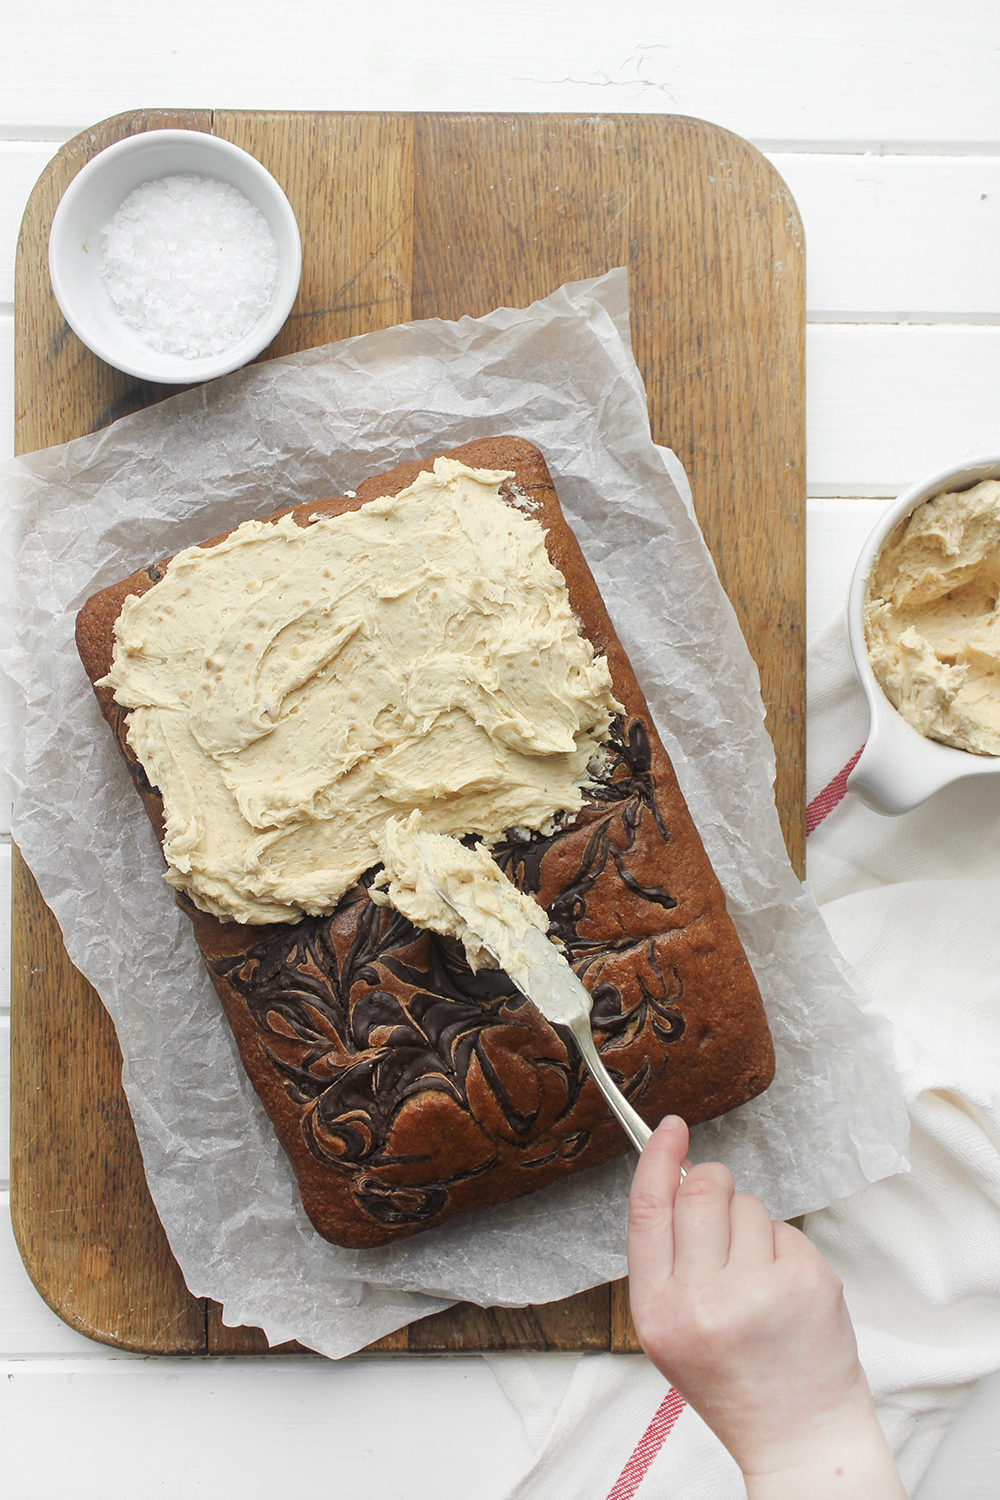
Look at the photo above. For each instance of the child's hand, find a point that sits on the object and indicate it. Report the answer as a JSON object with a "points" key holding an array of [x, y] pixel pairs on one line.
{"points": [[744, 1317]]}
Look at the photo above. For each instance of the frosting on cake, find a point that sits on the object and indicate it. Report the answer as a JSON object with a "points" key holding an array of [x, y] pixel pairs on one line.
{"points": [[291, 688], [424, 874]]}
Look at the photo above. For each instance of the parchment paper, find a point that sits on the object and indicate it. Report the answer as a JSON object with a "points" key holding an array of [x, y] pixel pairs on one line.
{"points": [[81, 516]]}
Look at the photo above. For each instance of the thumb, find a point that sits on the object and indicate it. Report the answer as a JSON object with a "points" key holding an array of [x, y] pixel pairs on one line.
{"points": [[651, 1202]]}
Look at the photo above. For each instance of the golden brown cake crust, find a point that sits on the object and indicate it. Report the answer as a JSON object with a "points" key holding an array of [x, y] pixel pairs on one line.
{"points": [[407, 1089]]}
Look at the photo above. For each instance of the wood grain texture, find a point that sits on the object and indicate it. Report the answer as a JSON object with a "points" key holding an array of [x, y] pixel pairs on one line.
{"points": [[83, 1218], [579, 1322], [623, 1337], [413, 217]]}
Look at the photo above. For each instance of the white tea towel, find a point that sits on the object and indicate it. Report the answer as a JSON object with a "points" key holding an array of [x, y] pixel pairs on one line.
{"points": [[913, 904], [619, 1430]]}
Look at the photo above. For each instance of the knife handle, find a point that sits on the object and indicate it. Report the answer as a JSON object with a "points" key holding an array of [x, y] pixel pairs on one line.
{"points": [[631, 1122]]}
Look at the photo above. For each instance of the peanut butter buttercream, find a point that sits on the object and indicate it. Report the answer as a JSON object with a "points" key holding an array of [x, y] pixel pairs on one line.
{"points": [[424, 873], [932, 626], [293, 687]]}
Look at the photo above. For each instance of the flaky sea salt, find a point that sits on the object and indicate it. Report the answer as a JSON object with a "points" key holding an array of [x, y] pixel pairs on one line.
{"points": [[190, 263]]}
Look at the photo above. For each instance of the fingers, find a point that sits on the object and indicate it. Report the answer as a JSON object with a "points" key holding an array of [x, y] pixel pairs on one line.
{"points": [[694, 1228], [701, 1221], [651, 1202], [752, 1232]]}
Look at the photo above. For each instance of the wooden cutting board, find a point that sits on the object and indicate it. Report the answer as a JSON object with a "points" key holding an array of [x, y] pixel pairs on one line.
{"points": [[403, 217]]}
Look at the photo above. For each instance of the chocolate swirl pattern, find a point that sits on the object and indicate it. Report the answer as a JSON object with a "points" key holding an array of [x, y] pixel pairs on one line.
{"points": [[361, 1012]]}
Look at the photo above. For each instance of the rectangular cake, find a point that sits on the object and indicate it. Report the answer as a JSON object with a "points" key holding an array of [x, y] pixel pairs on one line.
{"points": [[405, 1087]]}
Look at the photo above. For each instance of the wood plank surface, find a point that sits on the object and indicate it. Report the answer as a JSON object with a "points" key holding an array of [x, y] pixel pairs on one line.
{"points": [[407, 216], [866, 72]]}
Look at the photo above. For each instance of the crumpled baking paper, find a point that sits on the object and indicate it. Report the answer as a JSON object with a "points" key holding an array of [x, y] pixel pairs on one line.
{"points": [[81, 516]]}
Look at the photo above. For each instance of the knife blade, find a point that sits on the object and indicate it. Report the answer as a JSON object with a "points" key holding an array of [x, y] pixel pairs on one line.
{"points": [[544, 977]]}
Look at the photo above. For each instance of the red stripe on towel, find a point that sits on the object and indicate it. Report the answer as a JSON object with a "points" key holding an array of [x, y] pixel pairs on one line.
{"points": [[825, 801], [648, 1446]]}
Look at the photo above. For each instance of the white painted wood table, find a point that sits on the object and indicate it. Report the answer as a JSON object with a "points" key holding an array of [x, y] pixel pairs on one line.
{"points": [[883, 118]]}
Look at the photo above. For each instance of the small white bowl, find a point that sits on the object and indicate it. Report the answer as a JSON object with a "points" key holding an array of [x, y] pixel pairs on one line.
{"points": [[900, 768], [76, 248]]}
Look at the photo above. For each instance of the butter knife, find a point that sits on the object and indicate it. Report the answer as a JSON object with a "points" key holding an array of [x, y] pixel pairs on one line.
{"points": [[544, 977]]}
